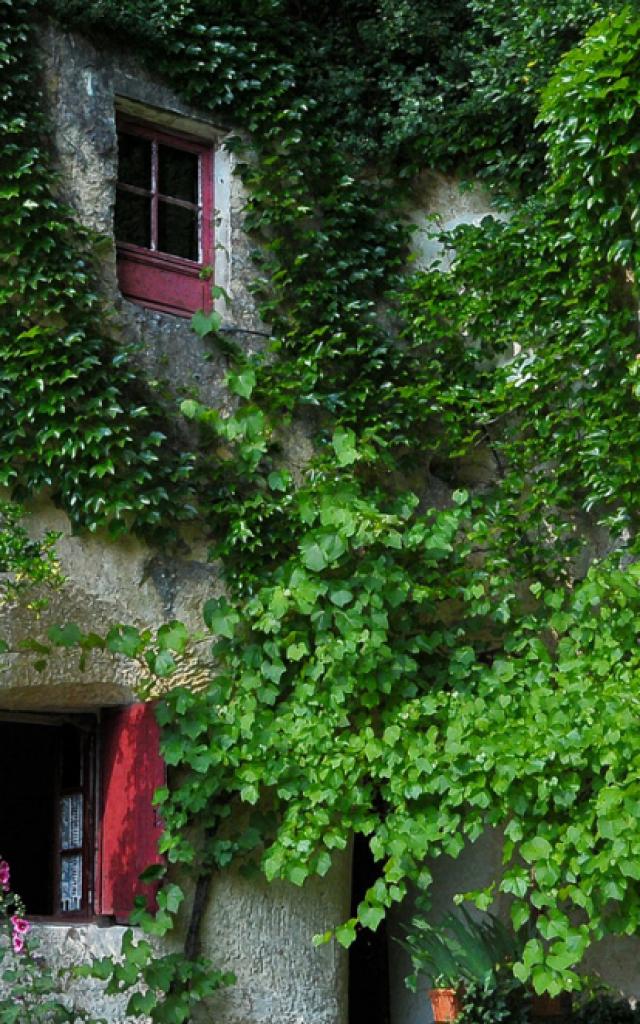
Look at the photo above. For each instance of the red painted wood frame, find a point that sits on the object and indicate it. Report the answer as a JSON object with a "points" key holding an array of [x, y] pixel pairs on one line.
{"points": [[132, 770], [158, 280]]}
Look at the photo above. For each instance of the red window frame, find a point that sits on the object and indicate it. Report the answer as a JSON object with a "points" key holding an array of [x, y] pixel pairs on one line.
{"points": [[158, 280]]}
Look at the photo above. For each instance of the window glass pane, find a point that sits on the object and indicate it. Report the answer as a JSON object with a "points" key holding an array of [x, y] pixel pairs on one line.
{"points": [[71, 750], [71, 821], [178, 173], [134, 160], [133, 219], [178, 230], [71, 883]]}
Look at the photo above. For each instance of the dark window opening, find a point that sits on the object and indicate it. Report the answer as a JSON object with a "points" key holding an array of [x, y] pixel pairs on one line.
{"points": [[178, 173], [46, 830], [368, 956], [158, 203], [77, 820], [134, 161], [133, 219], [177, 230]]}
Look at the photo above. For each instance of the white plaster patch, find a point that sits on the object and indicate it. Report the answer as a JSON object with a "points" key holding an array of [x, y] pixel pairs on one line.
{"points": [[443, 203]]}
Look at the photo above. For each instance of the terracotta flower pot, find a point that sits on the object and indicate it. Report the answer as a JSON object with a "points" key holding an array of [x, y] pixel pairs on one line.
{"points": [[446, 1004], [546, 1007]]}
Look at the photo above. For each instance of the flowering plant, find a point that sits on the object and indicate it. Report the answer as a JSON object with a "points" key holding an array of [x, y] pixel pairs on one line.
{"points": [[11, 901], [30, 991]]}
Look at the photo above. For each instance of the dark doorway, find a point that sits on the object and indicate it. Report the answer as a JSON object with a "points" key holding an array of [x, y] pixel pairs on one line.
{"points": [[368, 956]]}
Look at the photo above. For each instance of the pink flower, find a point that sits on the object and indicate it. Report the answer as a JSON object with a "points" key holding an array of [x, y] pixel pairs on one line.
{"points": [[20, 929], [4, 875]]}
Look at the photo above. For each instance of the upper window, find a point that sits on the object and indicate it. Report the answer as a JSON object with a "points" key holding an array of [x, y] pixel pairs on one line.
{"points": [[164, 218]]}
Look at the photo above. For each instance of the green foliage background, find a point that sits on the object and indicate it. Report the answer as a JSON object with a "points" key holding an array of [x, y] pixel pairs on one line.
{"points": [[412, 672]]}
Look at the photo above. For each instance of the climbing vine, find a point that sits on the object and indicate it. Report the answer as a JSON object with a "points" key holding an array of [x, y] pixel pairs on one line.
{"points": [[412, 662], [28, 568]]}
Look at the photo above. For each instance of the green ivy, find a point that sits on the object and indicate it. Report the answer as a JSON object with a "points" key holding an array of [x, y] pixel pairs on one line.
{"points": [[28, 568], [73, 418], [410, 667]]}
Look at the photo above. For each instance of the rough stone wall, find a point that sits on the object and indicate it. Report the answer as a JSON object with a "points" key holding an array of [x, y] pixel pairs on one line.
{"points": [[442, 203], [128, 582], [67, 946], [263, 933]]}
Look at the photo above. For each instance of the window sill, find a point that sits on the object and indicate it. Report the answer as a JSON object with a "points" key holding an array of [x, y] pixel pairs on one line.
{"points": [[169, 284]]}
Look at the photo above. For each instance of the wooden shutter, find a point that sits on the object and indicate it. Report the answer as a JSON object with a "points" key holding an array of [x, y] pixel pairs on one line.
{"points": [[131, 770]]}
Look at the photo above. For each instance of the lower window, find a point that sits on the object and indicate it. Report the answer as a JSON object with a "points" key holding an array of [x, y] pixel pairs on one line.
{"points": [[77, 820]]}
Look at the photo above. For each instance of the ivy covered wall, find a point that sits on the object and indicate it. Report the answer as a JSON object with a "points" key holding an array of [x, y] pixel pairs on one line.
{"points": [[404, 649]]}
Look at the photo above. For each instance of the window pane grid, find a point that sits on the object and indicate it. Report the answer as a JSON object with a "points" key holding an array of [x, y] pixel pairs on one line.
{"points": [[123, 187], [164, 222], [174, 225], [167, 199]]}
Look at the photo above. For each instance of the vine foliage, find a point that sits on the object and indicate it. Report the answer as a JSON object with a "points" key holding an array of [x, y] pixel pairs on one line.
{"points": [[417, 641]]}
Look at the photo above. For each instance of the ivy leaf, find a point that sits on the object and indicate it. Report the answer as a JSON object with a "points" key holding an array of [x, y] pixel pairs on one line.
{"points": [[190, 408], [323, 863], [370, 917], [125, 640], [520, 914], [141, 1003], [242, 383], [153, 873], [346, 933], [170, 898], [161, 664], [220, 617], [344, 445], [64, 636], [278, 480], [173, 637], [313, 556], [218, 292], [206, 323], [535, 849], [297, 651], [297, 874]]}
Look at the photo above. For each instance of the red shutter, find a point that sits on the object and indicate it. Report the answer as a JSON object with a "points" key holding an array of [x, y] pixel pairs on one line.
{"points": [[132, 769]]}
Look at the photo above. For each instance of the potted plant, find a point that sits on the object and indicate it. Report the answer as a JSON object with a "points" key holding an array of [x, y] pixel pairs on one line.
{"points": [[460, 951], [446, 1000]]}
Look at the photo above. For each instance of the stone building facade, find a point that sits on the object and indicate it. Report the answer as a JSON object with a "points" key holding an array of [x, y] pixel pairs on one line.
{"points": [[261, 932]]}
